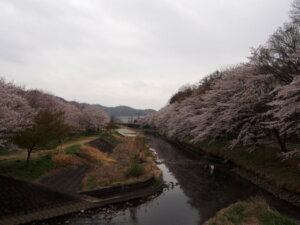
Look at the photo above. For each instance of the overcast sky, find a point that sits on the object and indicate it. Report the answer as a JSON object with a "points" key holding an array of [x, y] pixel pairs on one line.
{"points": [[128, 52]]}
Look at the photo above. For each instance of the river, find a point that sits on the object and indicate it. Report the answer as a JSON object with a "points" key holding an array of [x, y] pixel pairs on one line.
{"points": [[197, 190]]}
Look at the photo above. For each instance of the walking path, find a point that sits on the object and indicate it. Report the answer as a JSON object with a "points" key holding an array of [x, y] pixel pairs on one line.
{"points": [[23, 154], [126, 132]]}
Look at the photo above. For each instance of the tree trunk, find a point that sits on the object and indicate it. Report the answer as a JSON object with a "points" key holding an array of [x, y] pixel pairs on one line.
{"points": [[281, 141], [28, 157], [60, 147]]}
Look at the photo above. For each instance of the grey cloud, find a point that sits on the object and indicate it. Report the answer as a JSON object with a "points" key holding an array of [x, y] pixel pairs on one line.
{"points": [[128, 52]]}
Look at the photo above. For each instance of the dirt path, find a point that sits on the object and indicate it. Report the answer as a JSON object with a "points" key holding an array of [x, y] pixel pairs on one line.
{"points": [[23, 154], [78, 142]]}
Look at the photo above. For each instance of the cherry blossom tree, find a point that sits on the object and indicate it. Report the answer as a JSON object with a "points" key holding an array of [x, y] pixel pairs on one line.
{"points": [[19, 106], [295, 12], [15, 112], [79, 116], [286, 108], [94, 118], [238, 107]]}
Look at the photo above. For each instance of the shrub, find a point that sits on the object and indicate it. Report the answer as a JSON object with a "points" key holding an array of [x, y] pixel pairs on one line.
{"points": [[134, 170], [158, 181]]}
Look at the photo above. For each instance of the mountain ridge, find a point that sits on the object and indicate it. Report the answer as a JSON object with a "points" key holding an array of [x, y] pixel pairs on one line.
{"points": [[123, 110]]}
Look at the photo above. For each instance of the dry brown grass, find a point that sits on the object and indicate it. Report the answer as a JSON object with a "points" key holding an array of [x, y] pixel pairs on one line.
{"points": [[92, 154], [65, 160], [118, 137], [114, 173]]}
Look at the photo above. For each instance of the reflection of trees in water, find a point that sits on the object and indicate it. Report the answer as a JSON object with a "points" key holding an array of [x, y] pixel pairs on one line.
{"points": [[208, 192], [133, 216]]}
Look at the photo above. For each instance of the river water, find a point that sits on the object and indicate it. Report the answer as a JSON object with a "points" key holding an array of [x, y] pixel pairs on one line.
{"points": [[197, 190]]}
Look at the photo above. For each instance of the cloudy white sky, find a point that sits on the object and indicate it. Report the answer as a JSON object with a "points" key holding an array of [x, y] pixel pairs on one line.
{"points": [[128, 52]]}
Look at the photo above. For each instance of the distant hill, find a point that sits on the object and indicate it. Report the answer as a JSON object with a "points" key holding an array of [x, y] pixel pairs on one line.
{"points": [[121, 111]]}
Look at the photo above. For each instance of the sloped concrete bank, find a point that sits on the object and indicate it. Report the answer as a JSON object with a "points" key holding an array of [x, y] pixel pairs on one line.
{"points": [[290, 197], [72, 204]]}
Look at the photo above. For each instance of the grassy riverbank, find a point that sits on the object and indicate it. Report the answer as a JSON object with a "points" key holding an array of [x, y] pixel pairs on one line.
{"points": [[14, 163], [263, 161], [255, 211], [104, 160], [131, 163]]}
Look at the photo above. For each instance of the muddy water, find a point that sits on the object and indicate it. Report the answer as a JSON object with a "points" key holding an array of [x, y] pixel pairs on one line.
{"points": [[197, 190]]}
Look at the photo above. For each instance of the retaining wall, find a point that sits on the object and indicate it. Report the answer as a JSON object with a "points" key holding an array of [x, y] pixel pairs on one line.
{"points": [[119, 189]]}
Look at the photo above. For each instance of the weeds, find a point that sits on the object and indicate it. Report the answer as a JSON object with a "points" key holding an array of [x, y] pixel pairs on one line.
{"points": [[91, 183], [110, 137], [158, 181], [72, 150], [254, 211], [134, 170]]}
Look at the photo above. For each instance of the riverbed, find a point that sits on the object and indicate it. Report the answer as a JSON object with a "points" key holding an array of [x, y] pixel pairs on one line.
{"points": [[196, 190]]}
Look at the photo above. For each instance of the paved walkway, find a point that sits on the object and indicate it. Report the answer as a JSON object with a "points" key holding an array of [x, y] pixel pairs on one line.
{"points": [[126, 132]]}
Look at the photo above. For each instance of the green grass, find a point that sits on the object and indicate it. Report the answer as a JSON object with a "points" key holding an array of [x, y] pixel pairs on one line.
{"points": [[255, 211], [36, 168], [55, 143], [235, 215], [263, 161], [134, 170], [91, 183], [4, 151], [271, 217], [97, 162], [72, 150], [148, 153], [110, 137], [18, 169], [158, 181]]}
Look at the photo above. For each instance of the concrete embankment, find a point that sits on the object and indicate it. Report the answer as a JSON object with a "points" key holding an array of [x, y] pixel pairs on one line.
{"points": [[24, 202]]}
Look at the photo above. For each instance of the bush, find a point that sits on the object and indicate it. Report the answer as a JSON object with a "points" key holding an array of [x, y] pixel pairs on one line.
{"points": [[158, 181], [135, 170]]}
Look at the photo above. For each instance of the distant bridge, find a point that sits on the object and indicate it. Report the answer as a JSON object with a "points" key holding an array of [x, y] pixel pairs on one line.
{"points": [[132, 125]]}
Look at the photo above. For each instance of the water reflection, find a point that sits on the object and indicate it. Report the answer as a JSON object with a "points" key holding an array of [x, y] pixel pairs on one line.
{"points": [[197, 190], [207, 186]]}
